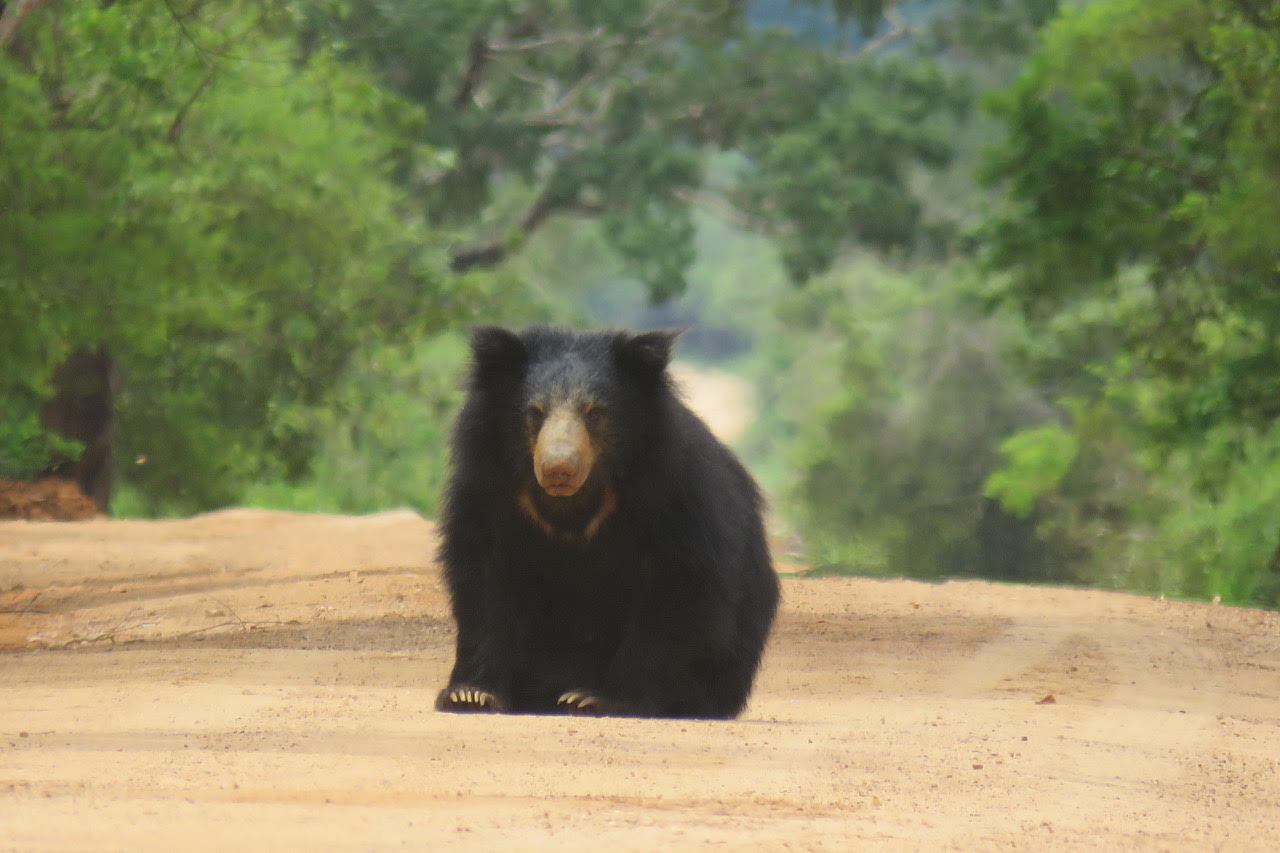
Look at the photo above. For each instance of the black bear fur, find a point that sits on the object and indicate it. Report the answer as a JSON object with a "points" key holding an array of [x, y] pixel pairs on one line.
{"points": [[647, 592]]}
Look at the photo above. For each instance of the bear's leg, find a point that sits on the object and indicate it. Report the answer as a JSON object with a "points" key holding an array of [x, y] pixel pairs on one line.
{"points": [[554, 665], [473, 685], [679, 656], [664, 697], [481, 677], [657, 679]]}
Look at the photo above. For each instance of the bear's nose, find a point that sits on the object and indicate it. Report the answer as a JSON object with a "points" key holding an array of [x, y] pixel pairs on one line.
{"points": [[562, 454], [560, 472]]}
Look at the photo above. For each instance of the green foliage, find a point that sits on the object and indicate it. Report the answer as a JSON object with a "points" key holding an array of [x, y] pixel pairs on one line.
{"points": [[384, 440], [611, 110], [1134, 139], [242, 200], [832, 161], [27, 447], [1222, 543], [898, 396], [1132, 524], [1137, 237], [1034, 462], [216, 213]]}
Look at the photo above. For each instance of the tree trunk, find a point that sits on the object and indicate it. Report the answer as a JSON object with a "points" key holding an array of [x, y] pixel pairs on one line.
{"points": [[83, 408]]}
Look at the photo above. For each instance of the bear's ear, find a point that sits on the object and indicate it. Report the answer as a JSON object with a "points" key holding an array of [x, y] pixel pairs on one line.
{"points": [[648, 353], [495, 349]]}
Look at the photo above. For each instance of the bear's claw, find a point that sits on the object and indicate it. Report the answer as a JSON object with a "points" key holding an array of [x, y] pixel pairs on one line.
{"points": [[577, 700], [468, 699], [472, 697]]}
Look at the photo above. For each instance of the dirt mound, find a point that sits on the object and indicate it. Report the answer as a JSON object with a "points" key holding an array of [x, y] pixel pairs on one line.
{"points": [[50, 499]]}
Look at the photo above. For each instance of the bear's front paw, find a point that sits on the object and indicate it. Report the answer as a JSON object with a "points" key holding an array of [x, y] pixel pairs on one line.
{"points": [[586, 702], [465, 698]]}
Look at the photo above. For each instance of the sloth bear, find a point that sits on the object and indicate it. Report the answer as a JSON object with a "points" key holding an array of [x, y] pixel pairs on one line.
{"points": [[604, 553]]}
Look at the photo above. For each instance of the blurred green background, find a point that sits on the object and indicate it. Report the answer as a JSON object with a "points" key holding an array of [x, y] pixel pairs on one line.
{"points": [[1004, 275]]}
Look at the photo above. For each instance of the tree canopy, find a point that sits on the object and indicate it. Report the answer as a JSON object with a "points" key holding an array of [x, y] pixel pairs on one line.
{"points": [[179, 188], [1141, 171], [236, 198], [1090, 396], [611, 110]]}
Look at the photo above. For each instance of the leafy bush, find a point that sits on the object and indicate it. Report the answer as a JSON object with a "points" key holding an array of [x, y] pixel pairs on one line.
{"points": [[1136, 238], [26, 449], [1035, 462], [1222, 542], [224, 221], [385, 440], [897, 399], [1179, 540]]}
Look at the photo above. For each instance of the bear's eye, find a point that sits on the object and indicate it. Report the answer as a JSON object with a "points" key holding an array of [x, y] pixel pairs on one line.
{"points": [[593, 414], [537, 413]]}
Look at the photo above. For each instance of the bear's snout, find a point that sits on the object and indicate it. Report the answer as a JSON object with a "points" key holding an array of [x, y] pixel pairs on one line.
{"points": [[563, 455]]}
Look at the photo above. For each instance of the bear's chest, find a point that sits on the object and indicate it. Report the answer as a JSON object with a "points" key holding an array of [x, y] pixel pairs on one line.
{"points": [[585, 593]]}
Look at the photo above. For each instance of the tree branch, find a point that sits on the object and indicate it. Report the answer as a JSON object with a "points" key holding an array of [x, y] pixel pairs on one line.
{"points": [[557, 112], [486, 255], [175, 127], [580, 110], [495, 251], [554, 40], [477, 62], [718, 205], [13, 16], [900, 29]]}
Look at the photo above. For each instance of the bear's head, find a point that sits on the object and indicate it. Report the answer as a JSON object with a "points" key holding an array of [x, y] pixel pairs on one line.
{"points": [[576, 403]]}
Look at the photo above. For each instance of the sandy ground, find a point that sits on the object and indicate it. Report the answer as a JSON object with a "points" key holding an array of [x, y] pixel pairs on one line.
{"points": [[265, 680]]}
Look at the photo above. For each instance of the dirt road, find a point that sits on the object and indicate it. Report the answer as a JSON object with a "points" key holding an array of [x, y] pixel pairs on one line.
{"points": [[265, 680]]}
